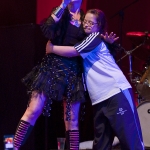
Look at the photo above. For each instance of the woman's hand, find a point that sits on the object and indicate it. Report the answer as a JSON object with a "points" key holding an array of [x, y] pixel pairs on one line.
{"points": [[75, 19], [76, 15], [49, 47], [109, 38]]}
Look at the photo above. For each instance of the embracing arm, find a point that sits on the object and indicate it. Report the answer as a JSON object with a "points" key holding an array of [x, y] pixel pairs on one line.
{"points": [[84, 46], [66, 51], [111, 38]]}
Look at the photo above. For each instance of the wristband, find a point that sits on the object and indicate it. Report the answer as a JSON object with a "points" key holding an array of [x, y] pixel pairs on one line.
{"points": [[63, 5], [58, 12]]}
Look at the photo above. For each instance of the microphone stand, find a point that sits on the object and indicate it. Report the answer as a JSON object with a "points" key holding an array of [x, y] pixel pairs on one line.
{"points": [[130, 67], [128, 53], [121, 14]]}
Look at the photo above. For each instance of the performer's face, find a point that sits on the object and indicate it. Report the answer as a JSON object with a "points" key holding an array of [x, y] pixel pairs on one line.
{"points": [[90, 24]]}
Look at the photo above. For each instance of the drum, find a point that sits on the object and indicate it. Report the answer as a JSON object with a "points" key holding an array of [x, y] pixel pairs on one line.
{"points": [[144, 116], [143, 82], [146, 76], [144, 91]]}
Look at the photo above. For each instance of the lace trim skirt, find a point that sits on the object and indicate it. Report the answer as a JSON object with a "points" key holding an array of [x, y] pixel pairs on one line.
{"points": [[57, 79]]}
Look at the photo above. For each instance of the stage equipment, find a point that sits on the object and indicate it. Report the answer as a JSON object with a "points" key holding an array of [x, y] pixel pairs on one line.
{"points": [[144, 116]]}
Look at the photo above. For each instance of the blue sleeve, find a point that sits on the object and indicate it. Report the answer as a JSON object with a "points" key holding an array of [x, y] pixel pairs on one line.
{"points": [[89, 43]]}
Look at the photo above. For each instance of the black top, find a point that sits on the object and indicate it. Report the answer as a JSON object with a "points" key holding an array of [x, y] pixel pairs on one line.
{"points": [[63, 33]]}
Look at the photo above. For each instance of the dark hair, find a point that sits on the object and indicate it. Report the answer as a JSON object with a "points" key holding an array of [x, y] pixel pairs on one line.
{"points": [[102, 22], [101, 19]]}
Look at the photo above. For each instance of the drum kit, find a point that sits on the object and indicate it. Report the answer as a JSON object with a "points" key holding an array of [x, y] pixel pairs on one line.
{"points": [[142, 83]]}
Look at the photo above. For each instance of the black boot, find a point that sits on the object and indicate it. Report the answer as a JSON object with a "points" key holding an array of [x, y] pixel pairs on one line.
{"points": [[22, 132], [72, 139]]}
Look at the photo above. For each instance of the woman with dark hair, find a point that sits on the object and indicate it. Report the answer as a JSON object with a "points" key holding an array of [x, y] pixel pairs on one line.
{"points": [[56, 78], [114, 110]]}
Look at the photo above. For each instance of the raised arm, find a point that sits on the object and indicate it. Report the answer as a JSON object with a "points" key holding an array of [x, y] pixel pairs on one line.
{"points": [[66, 51], [55, 25], [51, 26], [56, 14]]}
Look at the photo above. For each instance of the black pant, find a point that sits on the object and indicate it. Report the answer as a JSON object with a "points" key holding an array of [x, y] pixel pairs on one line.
{"points": [[117, 116]]}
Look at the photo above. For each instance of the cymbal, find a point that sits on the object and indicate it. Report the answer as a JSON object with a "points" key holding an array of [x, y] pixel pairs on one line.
{"points": [[139, 37], [138, 34]]}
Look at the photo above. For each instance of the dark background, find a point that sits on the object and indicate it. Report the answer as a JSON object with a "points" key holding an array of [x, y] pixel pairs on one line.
{"points": [[22, 45]]}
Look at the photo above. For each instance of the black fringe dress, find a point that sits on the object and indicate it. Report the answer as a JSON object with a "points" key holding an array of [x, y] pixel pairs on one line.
{"points": [[58, 76]]}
